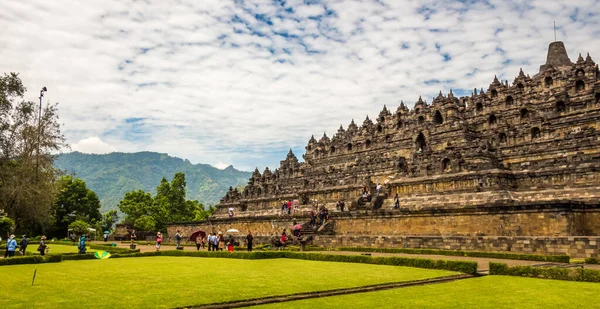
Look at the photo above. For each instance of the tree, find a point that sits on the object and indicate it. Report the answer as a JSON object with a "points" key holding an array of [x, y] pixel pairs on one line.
{"points": [[79, 227], [169, 205], [145, 223], [74, 202], [27, 144], [109, 219], [6, 225]]}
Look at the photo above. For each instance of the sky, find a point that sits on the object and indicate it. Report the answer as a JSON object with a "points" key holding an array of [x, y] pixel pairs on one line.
{"points": [[235, 82]]}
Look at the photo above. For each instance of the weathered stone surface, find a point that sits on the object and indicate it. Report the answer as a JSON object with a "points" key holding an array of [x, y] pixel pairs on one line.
{"points": [[516, 160]]}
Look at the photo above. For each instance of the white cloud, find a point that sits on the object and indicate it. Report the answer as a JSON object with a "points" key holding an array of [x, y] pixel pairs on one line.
{"points": [[93, 145], [221, 165], [242, 81]]}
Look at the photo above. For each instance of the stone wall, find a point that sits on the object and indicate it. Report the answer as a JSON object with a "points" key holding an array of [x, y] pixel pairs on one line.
{"points": [[574, 246]]}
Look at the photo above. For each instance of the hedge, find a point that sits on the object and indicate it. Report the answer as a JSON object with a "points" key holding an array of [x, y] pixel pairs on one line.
{"points": [[495, 255], [570, 274], [592, 260], [111, 249], [36, 259]]}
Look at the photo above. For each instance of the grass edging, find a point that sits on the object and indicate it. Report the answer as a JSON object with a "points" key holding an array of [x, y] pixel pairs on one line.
{"points": [[568, 274], [495, 255]]}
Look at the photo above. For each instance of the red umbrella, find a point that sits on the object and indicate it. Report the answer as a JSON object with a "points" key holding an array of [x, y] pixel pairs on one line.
{"points": [[195, 235], [297, 227]]}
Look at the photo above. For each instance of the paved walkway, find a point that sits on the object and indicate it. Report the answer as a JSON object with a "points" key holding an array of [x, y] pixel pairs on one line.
{"points": [[483, 263]]}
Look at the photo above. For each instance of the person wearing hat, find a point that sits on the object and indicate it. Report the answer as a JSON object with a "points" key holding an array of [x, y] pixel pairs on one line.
{"points": [[42, 247], [11, 246], [23, 245]]}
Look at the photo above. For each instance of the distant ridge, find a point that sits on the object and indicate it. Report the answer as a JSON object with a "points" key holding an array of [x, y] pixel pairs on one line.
{"points": [[112, 175]]}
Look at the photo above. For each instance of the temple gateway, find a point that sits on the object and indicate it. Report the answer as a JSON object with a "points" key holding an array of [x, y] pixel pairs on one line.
{"points": [[514, 167]]}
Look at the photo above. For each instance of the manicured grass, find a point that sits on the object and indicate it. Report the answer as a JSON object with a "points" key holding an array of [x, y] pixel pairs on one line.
{"points": [[492, 292], [166, 282], [56, 248]]}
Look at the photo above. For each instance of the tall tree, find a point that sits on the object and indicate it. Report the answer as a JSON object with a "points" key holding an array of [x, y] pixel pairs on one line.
{"points": [[27, 141], [169, 205], [74, 202]]}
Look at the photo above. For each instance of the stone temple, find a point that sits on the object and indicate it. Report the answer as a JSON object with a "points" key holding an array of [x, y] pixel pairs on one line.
{"points": [[514, 167]]}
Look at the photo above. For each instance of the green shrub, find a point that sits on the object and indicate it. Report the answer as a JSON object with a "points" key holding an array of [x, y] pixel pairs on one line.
{"points": [[77, 257], [592, 260], [32, 259], [495, 255], [570, 274]]}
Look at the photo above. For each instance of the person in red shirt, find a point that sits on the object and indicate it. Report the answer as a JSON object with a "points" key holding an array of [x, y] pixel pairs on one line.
{"points": [[283, 237]]}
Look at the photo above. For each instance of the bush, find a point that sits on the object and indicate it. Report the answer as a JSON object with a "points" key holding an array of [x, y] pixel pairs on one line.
{"points": [[495, 255], [592, 260], [569, 274], [33, 259], [77, 257], [111, 249]]}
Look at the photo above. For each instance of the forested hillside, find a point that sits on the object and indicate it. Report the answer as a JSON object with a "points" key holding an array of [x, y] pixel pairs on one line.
{"points": [[112, 175]]}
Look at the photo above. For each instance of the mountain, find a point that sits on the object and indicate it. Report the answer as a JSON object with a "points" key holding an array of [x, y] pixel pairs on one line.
{"points": [[112, 175]]}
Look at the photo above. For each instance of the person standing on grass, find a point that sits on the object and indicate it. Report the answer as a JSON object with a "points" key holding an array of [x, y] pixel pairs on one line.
{"points": [[209, 239], [81, 245], [178, 239], [158, 241], [23, 245], [221, 244], [249, 239], [42, 247], [11, 246], [198, 242]]}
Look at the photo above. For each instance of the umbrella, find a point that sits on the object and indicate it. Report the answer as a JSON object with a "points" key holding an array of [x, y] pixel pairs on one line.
{"points": [[232, 231], [103, 255], [297, 227], [197, 234], [106, 232]]}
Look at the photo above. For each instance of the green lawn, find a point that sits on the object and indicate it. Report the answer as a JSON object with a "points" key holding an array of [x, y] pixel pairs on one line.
{"points": [[56, 248], [165, 282], [492, 292]]}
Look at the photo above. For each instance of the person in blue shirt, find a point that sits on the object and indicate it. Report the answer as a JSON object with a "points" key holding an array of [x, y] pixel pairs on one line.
{"points": [[11, 246], [81, 246]]}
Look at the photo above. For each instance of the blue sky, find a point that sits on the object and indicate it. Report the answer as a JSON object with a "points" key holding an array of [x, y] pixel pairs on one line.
{"points": [[241, 82]]}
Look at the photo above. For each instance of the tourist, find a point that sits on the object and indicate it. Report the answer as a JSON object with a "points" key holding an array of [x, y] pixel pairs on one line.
{"points": [[230, 212], [221, 244], [11, 246], [158, 241], [249, 239], [283, 237], [105, 237], [283, 207], [81, 245], [289, 207], [337, 205], [312, 219], [210, 241], [133, 237], [178, 239], [378, 188], [42, 247], [342, 205], [230, 243], [396, 201], [198, 242], [23, 245], [215, 242]]}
